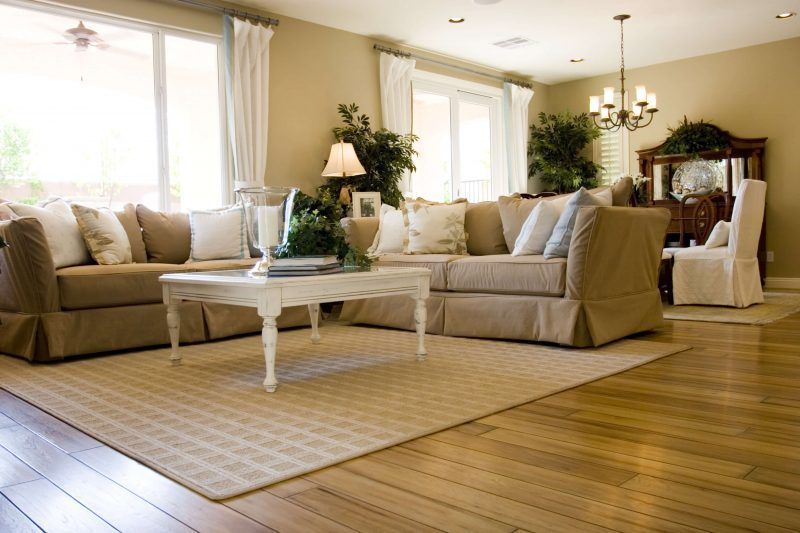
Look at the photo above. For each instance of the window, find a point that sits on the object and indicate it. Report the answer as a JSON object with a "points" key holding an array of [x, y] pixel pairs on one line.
{"points": [[132, 118], [611, 151], [460, 140]]}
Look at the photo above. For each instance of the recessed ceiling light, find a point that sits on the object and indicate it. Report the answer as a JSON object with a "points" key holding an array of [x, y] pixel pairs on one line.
{"points": [[457, 20], [787, 15], [576, 60]]}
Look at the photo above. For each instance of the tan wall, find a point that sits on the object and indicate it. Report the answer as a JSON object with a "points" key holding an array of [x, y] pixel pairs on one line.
{"points": [[312, 69], [751, 92]]}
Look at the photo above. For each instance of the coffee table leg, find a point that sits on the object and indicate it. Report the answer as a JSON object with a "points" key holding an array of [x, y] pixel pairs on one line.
{"points": [[269, 337], [421, 318], [174, 325], [313, 311]]}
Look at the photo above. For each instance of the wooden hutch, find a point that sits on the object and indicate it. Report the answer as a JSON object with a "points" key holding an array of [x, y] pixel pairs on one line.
{"points": [[694, 215]]}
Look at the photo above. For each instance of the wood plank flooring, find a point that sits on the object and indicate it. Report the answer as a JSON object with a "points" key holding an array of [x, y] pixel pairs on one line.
{"points": [[704, 440]]}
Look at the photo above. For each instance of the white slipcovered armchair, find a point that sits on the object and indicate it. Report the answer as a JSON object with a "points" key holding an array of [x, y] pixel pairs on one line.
{"points": [[727, 275]]}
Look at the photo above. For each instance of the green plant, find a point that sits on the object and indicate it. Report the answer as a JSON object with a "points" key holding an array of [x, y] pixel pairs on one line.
{"points": [[315, 230], [15, 151], [694, 137], [555, 148], [385, 156]]}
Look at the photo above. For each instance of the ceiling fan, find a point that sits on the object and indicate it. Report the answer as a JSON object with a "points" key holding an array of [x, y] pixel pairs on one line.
{"points": [[82, 38]]}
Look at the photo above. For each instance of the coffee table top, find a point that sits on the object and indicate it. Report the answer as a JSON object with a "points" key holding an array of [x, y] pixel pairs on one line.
{"points": [[242, 277]]}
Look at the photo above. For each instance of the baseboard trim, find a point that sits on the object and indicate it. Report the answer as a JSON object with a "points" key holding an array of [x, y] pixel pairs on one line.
{"points": [[782, 283]]}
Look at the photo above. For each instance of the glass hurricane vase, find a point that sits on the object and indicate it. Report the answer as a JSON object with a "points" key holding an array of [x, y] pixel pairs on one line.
{"points": [[267, 212]]}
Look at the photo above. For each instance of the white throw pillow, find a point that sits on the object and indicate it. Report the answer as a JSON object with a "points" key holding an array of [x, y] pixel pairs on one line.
{"points": [[605, 196], [104, 235], [61, 230], [391, 233], [537, 229], [435, 228], [218, 234], [719, 235]]}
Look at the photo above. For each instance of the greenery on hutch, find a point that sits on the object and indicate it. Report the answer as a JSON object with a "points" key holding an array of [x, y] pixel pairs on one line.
{"points": [[691, 138]]}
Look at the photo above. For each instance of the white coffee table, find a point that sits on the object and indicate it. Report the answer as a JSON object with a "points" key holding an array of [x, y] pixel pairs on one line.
{"points": [[270, 295]]}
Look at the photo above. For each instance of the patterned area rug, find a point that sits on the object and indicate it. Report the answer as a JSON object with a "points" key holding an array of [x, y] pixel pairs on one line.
{"points": [[209, 425], [776, 306]]}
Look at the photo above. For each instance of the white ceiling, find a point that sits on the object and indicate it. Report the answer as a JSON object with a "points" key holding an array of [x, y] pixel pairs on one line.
{"points": [[660, 30]]}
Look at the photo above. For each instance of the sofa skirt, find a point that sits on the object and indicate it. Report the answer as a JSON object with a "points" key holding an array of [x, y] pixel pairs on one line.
{"points": [[55, 336], [561, 321]]}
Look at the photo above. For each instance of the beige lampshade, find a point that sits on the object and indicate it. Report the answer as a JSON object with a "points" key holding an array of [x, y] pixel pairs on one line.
{"points": [[343, 161]]}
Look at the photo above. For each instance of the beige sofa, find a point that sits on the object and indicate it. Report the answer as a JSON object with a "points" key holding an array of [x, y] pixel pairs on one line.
{"points": [[48, 314], [605, 290]]}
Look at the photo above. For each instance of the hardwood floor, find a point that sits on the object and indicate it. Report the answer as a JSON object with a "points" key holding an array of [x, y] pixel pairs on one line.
{"points": [[707, 439]]}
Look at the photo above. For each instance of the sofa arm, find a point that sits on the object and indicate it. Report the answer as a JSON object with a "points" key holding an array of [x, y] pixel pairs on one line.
{"points": [[27, 275], [615, 252], [361, 231]]}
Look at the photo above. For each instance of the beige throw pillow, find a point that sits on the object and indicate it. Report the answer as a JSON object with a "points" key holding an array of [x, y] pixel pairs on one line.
{"points": [[127, 217], [104, 235], [167, 236], [484, 229], [435, 228], [61, 229]]}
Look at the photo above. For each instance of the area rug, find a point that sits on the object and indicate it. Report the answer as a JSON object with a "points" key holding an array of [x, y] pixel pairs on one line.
{"points": [[776, 306], [209, 424]]}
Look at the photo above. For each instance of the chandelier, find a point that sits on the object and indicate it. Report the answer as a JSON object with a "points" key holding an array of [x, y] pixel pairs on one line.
{"points": [[631, 119]]}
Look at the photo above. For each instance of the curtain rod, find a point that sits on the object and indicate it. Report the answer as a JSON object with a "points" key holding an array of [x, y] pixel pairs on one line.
{"points": [[232, 12], [400, 53]]}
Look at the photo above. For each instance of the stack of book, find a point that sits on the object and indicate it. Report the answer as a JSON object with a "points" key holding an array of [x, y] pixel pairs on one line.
{"points": [[308, 265]]}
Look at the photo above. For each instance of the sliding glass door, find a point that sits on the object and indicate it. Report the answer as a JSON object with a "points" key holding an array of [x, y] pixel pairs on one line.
{"points": [[460, 142]]}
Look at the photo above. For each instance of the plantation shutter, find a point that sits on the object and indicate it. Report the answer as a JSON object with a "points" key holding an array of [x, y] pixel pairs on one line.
{"points": [[610, 152]]}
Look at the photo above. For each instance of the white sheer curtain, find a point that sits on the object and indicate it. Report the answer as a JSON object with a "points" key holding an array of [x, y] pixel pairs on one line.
{"points": [[247, 86], [515, 116], [395, 73]]}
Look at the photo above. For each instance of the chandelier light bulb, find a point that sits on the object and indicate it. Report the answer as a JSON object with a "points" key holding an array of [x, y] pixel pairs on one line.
{"points": [[608, 96], [641, 94], [652, 105], [594, 105]]}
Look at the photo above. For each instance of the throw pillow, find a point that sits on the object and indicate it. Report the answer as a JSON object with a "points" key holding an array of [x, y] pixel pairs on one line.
{"points": [[6, 213], [104, 235], [391, 233], [537, 229], [514, 210], [558, 244], [435, 228], [719, 235], [127, 217], [61, 229], [484, 229], [166, 236], [218, 234]]}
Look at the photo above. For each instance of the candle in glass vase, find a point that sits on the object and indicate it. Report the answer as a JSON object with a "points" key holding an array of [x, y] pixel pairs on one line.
{"points": [[269, 223]]}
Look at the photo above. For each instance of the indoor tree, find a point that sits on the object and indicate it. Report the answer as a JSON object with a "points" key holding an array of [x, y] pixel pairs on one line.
{"points": [[385, 156], [556, 151]]}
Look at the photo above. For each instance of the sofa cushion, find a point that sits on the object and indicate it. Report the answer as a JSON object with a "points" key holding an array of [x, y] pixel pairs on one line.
{"points": [[127, 217], [93, 286], [484, 229], [166, 236], [436, 263], [506, 274]]}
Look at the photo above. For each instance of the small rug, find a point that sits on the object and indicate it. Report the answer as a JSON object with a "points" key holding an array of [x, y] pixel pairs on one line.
{"points": [[776, 306], [209, 424]]}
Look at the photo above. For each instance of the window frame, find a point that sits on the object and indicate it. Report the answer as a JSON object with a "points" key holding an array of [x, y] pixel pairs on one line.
{"points": [[159, 34], [624, 145], [462, 90]]}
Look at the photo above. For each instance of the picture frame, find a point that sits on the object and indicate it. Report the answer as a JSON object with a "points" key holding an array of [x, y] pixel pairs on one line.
{"points": [[366, 204]]}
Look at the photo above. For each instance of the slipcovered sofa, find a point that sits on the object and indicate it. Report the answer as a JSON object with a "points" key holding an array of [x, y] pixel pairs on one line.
{"points": [[606, 289], [48, 314]]}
